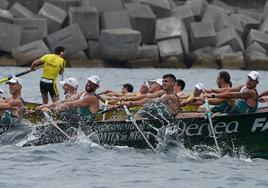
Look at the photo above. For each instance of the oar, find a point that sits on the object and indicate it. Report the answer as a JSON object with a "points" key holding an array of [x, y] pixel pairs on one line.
{"points": [[209, 116], [19, 74], [105, 108], [132, 119], [109, 109], [51, 121]]}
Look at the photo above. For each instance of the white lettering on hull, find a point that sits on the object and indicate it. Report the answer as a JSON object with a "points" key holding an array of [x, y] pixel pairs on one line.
{"points": [[260, 124]]}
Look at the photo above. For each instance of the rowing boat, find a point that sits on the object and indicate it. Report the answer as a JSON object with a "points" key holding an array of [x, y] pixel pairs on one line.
{"points": [[113, 113], [247, 132]]}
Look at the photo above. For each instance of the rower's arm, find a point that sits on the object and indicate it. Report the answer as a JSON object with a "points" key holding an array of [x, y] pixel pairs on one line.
{"points": [[85, 102], [156, 95], [215, 101], [228, 95], [134, 98], [11, 104], [264, 93], [36, 63], [137, 103]]}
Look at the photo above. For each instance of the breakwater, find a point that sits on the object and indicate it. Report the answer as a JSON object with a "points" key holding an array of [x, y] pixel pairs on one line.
{"points": [[137, 33]]}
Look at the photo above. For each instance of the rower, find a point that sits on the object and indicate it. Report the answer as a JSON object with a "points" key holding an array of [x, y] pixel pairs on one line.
{"points": [[127, 89], [70, 86], [11, 107], [188, 104], [224, 84], [246, 95], [166, 98], [179, 87], [85, 103]]}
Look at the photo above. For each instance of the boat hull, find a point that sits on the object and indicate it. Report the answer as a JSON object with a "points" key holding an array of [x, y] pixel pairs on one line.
{"points": [[233, 132]]}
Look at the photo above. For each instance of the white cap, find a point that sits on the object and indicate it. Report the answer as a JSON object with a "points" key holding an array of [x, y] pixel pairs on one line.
{"points": [[146, 83], [94, 79], [1, 91], [200, 86], [254, 75], [159, 81], [15, 80], [70, 81]]}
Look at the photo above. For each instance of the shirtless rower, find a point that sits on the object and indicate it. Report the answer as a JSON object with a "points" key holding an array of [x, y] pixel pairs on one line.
{"points": [[179, 87]]}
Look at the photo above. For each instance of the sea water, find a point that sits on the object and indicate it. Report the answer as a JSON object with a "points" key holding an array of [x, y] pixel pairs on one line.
{"points": [[82, 163]]}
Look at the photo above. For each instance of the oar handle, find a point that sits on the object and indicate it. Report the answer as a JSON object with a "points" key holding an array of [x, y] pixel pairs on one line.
{"points": [[208, 112], [129, 115]]}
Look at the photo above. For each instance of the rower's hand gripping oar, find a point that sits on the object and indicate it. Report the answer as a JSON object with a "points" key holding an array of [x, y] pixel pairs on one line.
{"points": [[132, 119], [209, 116], [3, 80], [51, 121]]}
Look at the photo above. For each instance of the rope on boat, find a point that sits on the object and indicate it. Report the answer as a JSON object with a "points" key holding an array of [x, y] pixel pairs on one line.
{"points": [[132, 119]]}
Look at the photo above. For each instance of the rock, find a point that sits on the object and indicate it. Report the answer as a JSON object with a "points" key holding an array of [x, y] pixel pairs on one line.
{"points": [[32, 5], [225, 21], [202, 34], [3, 4], [258, 36], [198, 8], [6, 16], [170, 48], [54, 15], [255, 46], [264, 26], [256, 61], [222, 50], [247, 23], [232, 60], [168, 28], [10, 36], [93, 49], [143, 20], [161, 8], [224, 6], [27, 53], [104, 5], [64, 4], [88, 20], [120, 44], [149, 52], [70, 37], [253, 13], [185, 14], [32, 29], [228, 36], [20, 11], [115, 19], [213, 13], [203, 57]]}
